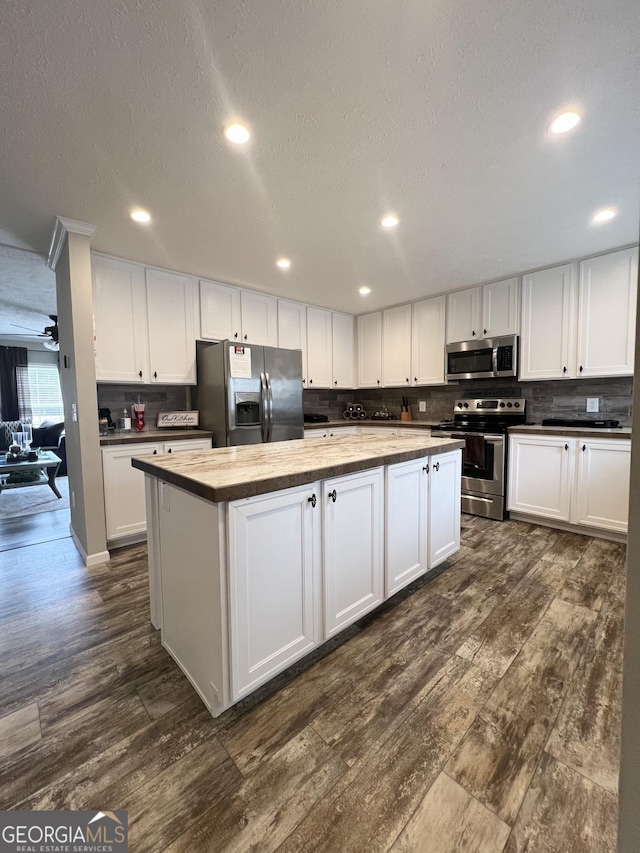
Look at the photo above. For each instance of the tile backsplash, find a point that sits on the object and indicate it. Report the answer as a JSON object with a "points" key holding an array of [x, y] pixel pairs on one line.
{"points": [[157, 398], [561, 398]]}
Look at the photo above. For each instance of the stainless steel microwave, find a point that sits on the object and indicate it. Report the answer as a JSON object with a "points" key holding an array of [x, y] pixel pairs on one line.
{"points": [[483, 359]]}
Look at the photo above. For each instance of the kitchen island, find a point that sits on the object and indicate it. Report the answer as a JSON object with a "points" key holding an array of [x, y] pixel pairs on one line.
{"points": [[258, 554]]}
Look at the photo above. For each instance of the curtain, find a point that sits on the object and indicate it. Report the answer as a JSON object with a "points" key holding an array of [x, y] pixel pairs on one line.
{"points": [[15, 401]]}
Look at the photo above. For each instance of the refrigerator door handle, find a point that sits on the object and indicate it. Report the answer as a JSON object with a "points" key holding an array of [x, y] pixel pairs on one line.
{"points": [[270, 402], [264, 417]]}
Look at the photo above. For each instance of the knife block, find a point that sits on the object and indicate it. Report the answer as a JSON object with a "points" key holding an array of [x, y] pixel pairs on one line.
{"points": [[405, 416]]}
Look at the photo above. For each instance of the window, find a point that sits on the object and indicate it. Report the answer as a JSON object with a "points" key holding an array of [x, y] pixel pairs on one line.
{"points": [[44, 389]]}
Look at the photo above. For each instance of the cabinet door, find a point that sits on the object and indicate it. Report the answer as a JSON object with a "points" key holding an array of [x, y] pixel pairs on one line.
{"points": [[607, 314], [120, 320], [319, 348], [124, 496], [443, 513], [273, 560], [463, 315], [602, 483], [259, 318], [540, 476], [406, 513], [353, 512], [547, 342], [381, 430], [186, 444], [396, 346], [219, 311], [427, 341], [370, 350], [343, 352], [292, 330], [501, 308], [172, 339]]}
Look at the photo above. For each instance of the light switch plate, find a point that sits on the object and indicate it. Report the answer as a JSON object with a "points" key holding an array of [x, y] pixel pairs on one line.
{"points": [[422, 405], [593, 404]]}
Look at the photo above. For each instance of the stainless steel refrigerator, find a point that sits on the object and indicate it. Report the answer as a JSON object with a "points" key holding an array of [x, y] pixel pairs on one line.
{"points": [[249, 394]]}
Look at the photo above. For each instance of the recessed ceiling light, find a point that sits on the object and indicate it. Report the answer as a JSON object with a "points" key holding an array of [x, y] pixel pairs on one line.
{"points": [[237, 133], [564, 122], [364, 290], [139, 215], [604, 215], [389, 221], [283, 263]]}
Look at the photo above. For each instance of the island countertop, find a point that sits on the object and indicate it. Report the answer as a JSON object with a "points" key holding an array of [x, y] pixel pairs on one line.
{"points": [[232, 473]]}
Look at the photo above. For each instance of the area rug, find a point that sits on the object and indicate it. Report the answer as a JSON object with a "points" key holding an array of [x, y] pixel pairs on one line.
{"points": [[15, 503]]}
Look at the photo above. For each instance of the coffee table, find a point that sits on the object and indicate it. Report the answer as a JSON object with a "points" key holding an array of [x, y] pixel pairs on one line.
{"points": [[47, 463]]}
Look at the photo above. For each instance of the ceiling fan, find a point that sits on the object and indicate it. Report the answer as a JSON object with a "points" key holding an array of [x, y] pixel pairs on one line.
{"points": [[49, 332]]}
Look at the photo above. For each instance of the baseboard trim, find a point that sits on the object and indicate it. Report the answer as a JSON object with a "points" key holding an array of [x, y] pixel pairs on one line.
{"points": [[89, 559], [596, 532]]}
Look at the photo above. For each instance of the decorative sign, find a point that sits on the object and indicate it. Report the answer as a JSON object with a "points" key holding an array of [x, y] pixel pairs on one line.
{"points": [[178, 419], [240, 362]]}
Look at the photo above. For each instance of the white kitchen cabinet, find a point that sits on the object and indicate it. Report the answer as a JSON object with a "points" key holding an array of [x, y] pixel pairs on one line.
{"points": [[240, 315], [607, 314], [319, 348], [144, 323], [370, 350], [427, 341], [568, 479], [120, 321], [259, 318], [483, 312], [172, 336], [396, 346], [220, 312], [353, 511], [292, 330], [342, 350], [547, 343], [124, 496], [273, 591], [602, 483], [124, 493], [331, 432], [379, 430], [541, 473], [580, 326], [407, 490], [443, 510]]}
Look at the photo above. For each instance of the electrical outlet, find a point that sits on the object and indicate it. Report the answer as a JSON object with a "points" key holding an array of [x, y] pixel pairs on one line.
{"points": [[593, 404], [422, 405]]}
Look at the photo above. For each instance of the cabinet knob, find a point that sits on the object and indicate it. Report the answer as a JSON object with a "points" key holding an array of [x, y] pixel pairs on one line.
{"points": [[580, 368], [564, 369], [378, 381], [236, 335], [436, 465], [336, 382], [425, 468], [333, 495], [169, 450], [311, 382], [484, 331], [155, 452], [407, 380], [140, 374], [313, 500], [246, 337], [415, 378], [155, 374], [473, 334], [584, 447], [566, 447]]}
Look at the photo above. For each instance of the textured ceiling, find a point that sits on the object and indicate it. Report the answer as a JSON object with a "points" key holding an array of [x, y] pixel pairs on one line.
{"points": [[434, 110]]}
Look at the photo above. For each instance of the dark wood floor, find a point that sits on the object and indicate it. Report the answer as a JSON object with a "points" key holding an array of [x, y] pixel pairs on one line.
{"points": [[478, 714]]}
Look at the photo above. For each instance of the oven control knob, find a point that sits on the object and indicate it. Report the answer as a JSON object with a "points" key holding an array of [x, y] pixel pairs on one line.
{"points": [[502, 405], [508, 405], [466, 405], [517, 405], [459, 405]]}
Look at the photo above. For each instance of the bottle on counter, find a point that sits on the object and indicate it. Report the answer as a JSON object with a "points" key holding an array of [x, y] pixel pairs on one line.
{"points": [[125, 421]]}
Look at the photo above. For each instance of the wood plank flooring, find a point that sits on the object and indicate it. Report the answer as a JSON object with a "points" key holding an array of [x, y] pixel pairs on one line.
{"points": [[478, 711]]}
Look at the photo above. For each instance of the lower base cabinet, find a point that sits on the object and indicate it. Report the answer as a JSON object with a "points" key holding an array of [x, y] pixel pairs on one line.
{"points": [[124, 493], [571, 480]]}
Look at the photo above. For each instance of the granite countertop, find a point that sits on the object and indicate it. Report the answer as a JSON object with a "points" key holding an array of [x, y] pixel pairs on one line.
{"points": [[578, 432], [371, 422], [231, 473], [132, 436]]}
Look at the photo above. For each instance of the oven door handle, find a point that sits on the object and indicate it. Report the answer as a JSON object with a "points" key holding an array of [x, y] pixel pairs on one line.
{"points": [[494, 361]]}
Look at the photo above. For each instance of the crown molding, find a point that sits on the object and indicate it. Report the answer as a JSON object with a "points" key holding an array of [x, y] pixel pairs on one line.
{"points": [[63, 227]]}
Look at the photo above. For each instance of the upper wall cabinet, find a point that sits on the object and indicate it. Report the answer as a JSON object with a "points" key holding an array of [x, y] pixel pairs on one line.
{"points": [[579, 321], [292, 330], [239, 315], [396, 346], [427, 341], [144, 323], [342, 357], [319, 348], [483, 312], [370, 350]]}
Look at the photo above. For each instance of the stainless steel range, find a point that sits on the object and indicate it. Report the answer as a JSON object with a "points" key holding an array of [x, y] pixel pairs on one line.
{"points": [[483, 423]]}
